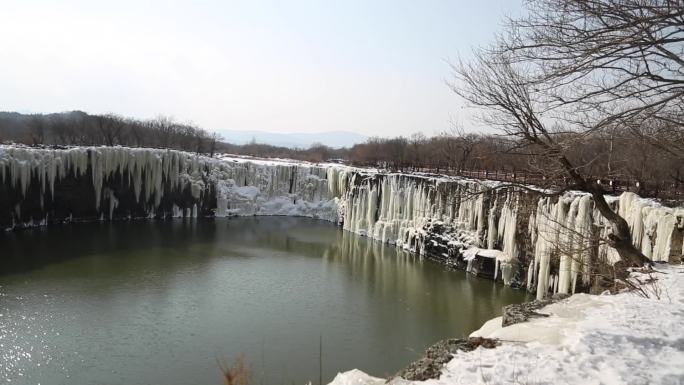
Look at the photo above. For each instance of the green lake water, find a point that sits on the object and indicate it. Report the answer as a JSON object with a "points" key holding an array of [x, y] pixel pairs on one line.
{"points": [[162, 302]]}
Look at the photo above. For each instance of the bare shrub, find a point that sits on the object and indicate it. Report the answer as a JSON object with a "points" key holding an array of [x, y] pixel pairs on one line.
{"points": [[236, 374]]}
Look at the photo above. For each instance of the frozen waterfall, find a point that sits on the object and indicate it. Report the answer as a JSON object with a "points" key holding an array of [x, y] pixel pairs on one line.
{"points": [[508, 234]]}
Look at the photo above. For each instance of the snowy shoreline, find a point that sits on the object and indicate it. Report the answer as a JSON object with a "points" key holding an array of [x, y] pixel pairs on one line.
{"points": [[586, 339]]}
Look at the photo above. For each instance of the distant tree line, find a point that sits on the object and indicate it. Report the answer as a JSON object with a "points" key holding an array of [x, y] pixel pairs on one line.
{"points": [[78, 128], [613, 153], [609, 154], [315, 153], [81, 129]]}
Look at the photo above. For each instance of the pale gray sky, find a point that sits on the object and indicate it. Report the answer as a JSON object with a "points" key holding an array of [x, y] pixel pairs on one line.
{"points": [[377, 67]]}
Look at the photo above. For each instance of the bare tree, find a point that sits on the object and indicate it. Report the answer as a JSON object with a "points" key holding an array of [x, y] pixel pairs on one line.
{"points": [[509, 101], [416, 150], [63, 130], [198, 136], [459, 146], [110, 127], [37, 130], [610, 62], [397, 153], [164, 128], [214, 139], [570, 71]]}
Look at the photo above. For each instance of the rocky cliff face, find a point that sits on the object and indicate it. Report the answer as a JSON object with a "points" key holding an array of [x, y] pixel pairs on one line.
{"points": [[40, 186], [546, 244]]}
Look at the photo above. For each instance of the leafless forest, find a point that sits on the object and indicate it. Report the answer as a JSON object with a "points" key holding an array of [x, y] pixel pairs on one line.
{"points": [[618, 157]]}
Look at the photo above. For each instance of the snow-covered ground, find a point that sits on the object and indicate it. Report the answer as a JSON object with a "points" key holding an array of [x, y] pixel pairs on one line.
{"points": [[587, 339]]}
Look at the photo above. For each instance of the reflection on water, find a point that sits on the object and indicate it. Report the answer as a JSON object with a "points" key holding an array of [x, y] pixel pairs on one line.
{"points": [[160, 302]]}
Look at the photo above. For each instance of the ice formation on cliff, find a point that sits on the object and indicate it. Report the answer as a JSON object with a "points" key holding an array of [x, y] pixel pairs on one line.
{"points": [[486, 222], [565, 228], [452, 217], [241, 188]]}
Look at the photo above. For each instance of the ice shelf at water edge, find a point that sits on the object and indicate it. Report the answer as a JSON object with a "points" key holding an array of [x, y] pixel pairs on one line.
{"points": [[512, 235]]}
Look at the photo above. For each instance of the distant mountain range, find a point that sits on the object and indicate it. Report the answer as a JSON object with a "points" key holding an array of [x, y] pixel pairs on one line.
{"points": [[335, 139]]}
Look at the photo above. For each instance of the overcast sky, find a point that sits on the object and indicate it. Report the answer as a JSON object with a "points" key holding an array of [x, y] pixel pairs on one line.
{"points": [[368, 66]]}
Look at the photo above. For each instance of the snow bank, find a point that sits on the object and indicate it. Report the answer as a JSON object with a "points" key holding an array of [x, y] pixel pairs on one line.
{"points": [[356, 377], [607, 339]]}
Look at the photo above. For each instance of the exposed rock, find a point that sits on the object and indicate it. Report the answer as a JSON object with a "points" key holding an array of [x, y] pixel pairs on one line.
{"points": [[517, 313], [437, 355], [430, 366]]}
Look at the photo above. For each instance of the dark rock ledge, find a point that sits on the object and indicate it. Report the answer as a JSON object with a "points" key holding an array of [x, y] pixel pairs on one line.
{"points": [[517, 313], [437, 355]]}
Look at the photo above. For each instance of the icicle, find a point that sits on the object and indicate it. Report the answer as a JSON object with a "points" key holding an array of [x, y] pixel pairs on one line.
{"points": [[97, 175], [663, 244], [496, 268], [506, 272], [492, 232], [568, 242], [530, 275], [393, 208]]}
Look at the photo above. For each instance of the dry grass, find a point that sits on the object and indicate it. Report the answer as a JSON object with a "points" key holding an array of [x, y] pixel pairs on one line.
{"points": [[236, 374], [645, 283]]}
